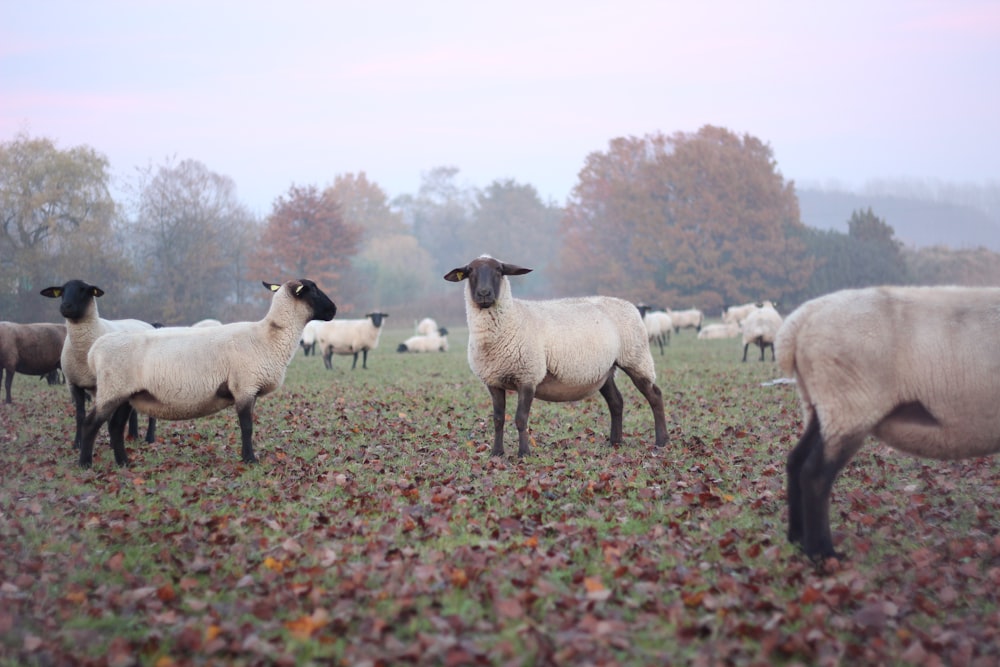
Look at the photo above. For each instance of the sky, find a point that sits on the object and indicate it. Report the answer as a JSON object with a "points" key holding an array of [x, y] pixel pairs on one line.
{"points": [[276, 94]]}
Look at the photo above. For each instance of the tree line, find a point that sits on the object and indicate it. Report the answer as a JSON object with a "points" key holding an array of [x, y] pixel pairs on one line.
{"points": [[700, 219]]}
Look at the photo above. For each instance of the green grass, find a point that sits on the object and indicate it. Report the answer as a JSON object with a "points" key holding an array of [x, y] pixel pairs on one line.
{"points": [[377, 528]]}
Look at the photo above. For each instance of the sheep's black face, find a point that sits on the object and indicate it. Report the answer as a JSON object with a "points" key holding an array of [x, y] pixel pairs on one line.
{"points": [[323, 308], [75, 298], [377, 318]]}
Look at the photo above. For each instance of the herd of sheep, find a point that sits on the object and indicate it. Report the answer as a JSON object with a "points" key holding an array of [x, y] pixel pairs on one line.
{"points": [[918, 368]]}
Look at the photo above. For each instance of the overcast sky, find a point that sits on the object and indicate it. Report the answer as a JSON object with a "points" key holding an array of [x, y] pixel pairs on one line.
{"points": [[279, 93]]}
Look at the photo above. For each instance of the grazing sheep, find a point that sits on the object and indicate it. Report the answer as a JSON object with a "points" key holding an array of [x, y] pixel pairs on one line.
{"points": [[427, 327], [918, 368], [557, 350], [718, 331], [350, 337], [658, 324], [209, 322], [760, 327], [31, 349], [686, 319], [736, 314], [308, 341], [186, 373], [435, 342], [78, 304]]}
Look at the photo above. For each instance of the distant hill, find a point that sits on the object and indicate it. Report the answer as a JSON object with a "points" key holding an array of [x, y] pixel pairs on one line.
{"points": [[918, 223]]}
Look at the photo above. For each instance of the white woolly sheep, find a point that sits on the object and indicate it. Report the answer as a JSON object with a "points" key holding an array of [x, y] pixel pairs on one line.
{"points": [[556, 350], [736, 314], [426, 327], [208, 322], [308, 341], [78, 304], [760, 327], [719, 331], [350, 337], [658, 325], [435, 342], [686, 319], [31, 349], [918, 368], [186, 373]]}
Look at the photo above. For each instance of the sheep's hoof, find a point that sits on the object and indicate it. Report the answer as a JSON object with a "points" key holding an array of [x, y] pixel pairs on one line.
{"points": [[250, 459]]}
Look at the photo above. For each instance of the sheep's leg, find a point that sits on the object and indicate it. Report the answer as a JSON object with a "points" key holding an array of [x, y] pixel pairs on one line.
{"points": [[133, 425], [499, 397], [816, 477], [244, 412], [151, 430], [525, 395], [355, 364], [613, 397], [116, 431], [364, 356], [654, 397], [772, 350], [761, 344], [793, 471], [745, 346], [328, 358], [79, 396], [90, 427], [7, 382]]}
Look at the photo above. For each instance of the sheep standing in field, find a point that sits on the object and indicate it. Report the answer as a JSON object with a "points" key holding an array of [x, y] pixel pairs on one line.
{"points": [[686, 319], [185, 373], [719, 331], [918, 368], [31, 349], [760, 328], [433, 342], [78, 304], [557, 350], [736, 314], [308, 341], [658, 325], [350, 337]]}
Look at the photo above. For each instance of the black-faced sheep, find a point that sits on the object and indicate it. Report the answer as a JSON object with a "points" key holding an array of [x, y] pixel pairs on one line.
{"points": [[436, 341], [30, 349], [759, 328], [78, 304], [308, 341], [556, 350], [350, 337], [918, 368], [185, 373]]}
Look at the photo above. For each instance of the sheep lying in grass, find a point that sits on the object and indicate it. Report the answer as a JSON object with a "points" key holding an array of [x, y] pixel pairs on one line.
{"points": [[759, 328], [426, 327], [350, 337], [78, 304], [719, 331], [433, 342], [185, 373], [31, 349], [686, 319], [658, 325], [308, 341], [557, 350], [918, 368]]}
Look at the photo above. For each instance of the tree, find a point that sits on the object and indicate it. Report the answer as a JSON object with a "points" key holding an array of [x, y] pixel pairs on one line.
{"points": [[191, 234], [306, 236], [56, 223], [703, 219], [364, 204], [440, 214]]}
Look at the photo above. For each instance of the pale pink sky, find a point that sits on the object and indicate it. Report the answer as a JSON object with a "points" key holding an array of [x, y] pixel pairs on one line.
{"points": [[272, 94]]}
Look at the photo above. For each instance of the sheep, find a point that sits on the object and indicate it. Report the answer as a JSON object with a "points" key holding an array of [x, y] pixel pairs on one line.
{"points": [[426, 327], [436, 342], [187, 373], [78, 305], [350, 337], [736, 314], [31, 349], [918, 368], [717, 331], [208, 322], [686, 319], [658, 324], [308, 341], [760, 328], [556, 350]]}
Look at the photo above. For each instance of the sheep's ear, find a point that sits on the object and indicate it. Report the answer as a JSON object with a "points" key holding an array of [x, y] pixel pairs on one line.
{"points": [[270, 286], [96, 291], [513, 270], [457, 275], [52, 292], [298, 289]]}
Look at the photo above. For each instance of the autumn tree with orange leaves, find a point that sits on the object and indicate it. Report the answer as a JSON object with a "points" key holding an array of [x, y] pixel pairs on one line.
{"points": [[699, 219], [305, 236]]}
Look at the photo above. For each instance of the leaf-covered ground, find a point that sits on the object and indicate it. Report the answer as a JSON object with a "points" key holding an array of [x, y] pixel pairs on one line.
{"points": [[378, 531]]}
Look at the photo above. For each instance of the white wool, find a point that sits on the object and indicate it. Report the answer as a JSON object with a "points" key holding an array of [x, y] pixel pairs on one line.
{"points": [[718, 331], [426, 327], [686, 319]]}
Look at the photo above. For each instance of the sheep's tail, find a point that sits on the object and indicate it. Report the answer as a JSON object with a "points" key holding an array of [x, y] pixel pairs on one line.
{"points": [[784, 344]]}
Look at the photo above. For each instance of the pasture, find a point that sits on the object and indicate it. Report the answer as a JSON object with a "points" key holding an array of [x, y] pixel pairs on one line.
{"points": [[377, 530]]}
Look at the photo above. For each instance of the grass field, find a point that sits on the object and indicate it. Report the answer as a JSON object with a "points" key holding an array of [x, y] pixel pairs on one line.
{"points": [[377, 530]]}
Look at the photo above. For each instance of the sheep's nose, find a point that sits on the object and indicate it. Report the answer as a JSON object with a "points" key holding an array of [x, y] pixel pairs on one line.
{"points": [[484, 293]]}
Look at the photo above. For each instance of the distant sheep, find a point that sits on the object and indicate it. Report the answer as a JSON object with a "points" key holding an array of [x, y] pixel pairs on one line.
{"points": [[350, 337], [658, 325], [718, 331], [30, 349], [435, 342], [760, 328], [918, 368], [186, 373], [78, 304], [427, 327], [557, 350], [736, 314], [308, 341], [686, 319], [207, 323]]}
